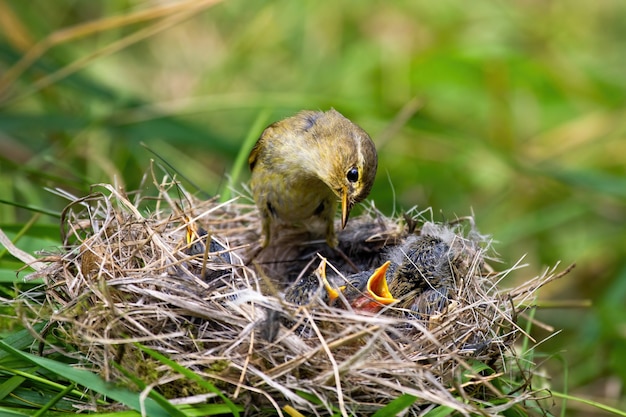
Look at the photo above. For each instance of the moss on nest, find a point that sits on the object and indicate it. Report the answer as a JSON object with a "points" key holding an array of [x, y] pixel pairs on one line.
{"points": [[135, 269]]}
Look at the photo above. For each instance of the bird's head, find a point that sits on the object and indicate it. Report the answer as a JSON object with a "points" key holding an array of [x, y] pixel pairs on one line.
{"points": [[346, 157]]}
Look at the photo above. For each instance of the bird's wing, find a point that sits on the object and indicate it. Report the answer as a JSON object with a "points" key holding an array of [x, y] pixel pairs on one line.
{"points": [[254, 153]]}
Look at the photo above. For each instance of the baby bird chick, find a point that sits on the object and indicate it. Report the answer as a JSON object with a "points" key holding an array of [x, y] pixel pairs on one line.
{"points": [[365, 291], [422, 275]]}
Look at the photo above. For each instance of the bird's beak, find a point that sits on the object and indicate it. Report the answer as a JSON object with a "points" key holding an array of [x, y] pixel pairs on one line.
{"points": [[333, 293], [345, 208], [377, 292], [377, 287]]}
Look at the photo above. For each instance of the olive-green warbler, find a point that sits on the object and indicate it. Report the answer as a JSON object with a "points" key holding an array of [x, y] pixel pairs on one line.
{"points": [[301, 166]]}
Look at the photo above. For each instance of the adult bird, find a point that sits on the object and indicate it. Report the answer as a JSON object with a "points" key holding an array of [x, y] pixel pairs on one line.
{"points": [[301, 166]]}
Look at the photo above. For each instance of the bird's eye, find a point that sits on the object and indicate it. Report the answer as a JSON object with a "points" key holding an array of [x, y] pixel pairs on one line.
{"points": [[353, 175]]}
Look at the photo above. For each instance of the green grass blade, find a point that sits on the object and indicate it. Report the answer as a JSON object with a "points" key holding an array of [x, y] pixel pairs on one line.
{"points": [[242, 157], [595, 404], [54, 400], [396, 406], [191, 375], [90, 381], [601, 182], [34, 209], [10, 385], [7, 412], [163, 402], [20, 340]]}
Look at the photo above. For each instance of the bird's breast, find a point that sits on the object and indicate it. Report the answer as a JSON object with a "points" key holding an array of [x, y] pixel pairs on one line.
{"points": [[296, 197]]}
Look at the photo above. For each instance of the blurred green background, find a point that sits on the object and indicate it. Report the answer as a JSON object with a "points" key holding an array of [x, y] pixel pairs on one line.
{"points": [[514, 111]]}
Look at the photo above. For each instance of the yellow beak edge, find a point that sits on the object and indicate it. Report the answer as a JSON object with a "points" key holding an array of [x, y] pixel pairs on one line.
{"points": [[377, 287], [345, 209]]}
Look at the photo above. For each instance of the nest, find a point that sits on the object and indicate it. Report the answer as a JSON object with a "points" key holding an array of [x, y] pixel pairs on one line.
{"points": [[186, 278]]}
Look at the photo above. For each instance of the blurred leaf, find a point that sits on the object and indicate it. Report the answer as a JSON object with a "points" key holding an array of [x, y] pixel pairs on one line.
{"points": [[19, 340], [77, 82], [8, 275], [10, 385], [37, 237], [33, 209], [596, 181], [8, 412]]}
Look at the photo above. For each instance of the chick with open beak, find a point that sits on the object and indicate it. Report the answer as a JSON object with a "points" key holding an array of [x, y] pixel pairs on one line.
{"points": [[365, 292], [418, 279], [368, 291]]}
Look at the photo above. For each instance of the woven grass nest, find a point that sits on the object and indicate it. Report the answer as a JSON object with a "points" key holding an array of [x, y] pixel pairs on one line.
{"points": [[186, 278]]}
